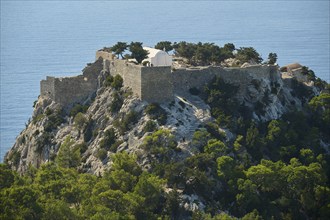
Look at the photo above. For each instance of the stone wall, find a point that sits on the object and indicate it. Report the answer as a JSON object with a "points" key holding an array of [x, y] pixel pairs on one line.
{"points": [[69, 90], [152, 84], [156, 84], [130, 73], [184, 79], [47, 87], [103, 54]]}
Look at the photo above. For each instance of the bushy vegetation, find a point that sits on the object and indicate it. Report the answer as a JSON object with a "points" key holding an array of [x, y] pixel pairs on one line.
{"points": [[204, 53], [68, 154], [115, 82], [195, 53], [126, 121], [136, 49], [55, 192], [220, 96], [54, 119], [110, 141], [116, 103], [156, 112], [78, 108], [277, 169]]}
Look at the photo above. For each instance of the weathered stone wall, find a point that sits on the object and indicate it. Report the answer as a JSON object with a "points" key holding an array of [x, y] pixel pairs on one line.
{"points": [[69, 90], [130, 73], [185, 79], [103, 54], [152, 84], [156, 84], [47, 87]]}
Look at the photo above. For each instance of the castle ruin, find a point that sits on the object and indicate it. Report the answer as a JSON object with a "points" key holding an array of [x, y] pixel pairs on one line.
{"points": [[149, 83]]}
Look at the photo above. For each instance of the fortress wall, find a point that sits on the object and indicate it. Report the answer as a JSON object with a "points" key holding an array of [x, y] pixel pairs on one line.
{"points": [[47, 87], [184, 79], [93, 71], [130, 73], [156, 84], [71, 90], [103, 54]]}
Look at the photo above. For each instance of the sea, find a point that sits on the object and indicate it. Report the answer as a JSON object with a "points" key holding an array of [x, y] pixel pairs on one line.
{"points": [[58, 38]]}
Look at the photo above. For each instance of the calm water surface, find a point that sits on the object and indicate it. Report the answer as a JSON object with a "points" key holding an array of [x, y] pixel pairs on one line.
{"points": [[58, 38]]}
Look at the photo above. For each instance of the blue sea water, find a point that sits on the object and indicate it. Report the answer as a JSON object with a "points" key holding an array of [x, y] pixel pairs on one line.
{"points": [[58, 38]]}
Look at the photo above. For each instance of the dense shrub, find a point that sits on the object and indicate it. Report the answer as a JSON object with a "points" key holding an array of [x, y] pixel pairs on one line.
{"points": [[116, 103], [161, 144], [69, 154], [44, 139], [109, 139], [102, 154], [124, 122], [54, 119], [150, 126], [80, 121], [156, 112], [78, 108], [108, 81], [246, 54], [115, 82]]}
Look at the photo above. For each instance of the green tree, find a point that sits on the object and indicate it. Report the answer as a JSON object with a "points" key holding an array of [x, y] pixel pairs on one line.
{"points": [[167, 45], [109, 139], [117, 82], [216, 148], [200, 138], [126, 162], [160, 144], [116, 103], [226, 165], [119, 48], [7, 176], [58, 209], [80, 121], [68, 154], [272, 58], [246, 54], [229, 47], [309, 73], [137, 51], [151, 188], [186, 50], [19, 202], [203, 53]]}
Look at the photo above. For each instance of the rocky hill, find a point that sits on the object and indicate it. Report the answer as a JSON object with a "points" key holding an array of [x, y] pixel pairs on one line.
{"points": [[247, 121]]}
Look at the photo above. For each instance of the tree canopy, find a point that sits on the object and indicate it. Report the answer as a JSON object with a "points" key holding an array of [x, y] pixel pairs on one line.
{"points": [[137, 51]]}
